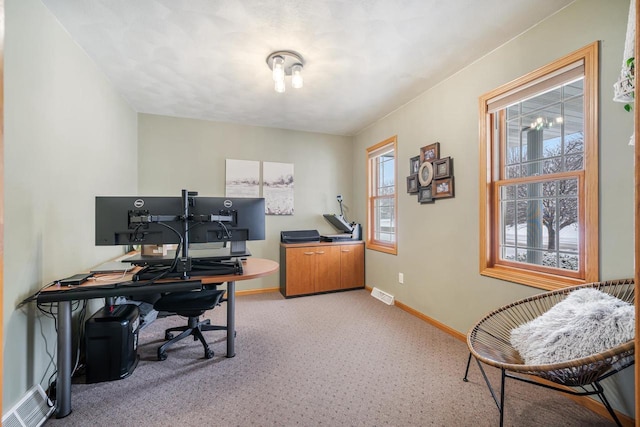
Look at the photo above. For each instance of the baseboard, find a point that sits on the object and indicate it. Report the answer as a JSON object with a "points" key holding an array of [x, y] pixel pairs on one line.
{"points": [[441, 326], [585, 401], [257, 291]]}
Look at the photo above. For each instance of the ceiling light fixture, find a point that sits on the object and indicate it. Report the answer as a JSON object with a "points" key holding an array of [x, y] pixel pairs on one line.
{"points": [[286, 63]]}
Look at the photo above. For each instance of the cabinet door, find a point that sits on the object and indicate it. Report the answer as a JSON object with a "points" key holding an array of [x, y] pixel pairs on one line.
{"points": [[327, 268], [301, 271], [352, 266]]}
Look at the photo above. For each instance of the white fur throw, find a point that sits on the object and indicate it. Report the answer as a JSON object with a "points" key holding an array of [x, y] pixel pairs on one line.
{"points": [[586, 322]]}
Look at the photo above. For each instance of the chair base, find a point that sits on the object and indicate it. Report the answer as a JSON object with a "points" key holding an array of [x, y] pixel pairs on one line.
{"points": [[597, 388], [195, 328]]}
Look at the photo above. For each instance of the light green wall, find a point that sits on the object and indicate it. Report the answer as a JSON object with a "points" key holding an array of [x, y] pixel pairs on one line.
{"points": [[60, 110], [177, 153], [68, 138], [438, 244]]}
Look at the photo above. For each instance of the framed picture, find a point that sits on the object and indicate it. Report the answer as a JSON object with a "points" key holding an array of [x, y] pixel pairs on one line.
{"points": [[412, 183], [443, 188], [414, 164], [425, 195], [429, 153], [442, 168], [425, 174]]}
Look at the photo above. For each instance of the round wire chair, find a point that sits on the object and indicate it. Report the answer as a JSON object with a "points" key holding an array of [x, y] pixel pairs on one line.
{"points": [[489, 343]]}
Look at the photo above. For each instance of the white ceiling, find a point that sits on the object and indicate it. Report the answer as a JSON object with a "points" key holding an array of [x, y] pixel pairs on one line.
{"points": [[206, 59]]}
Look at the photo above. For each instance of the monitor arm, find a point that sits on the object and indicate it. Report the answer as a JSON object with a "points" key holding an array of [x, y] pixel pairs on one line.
{"points": [[141, 217]]}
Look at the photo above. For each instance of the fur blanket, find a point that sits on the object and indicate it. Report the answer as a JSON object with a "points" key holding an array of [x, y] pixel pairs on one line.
{"points": [[586, 322]]}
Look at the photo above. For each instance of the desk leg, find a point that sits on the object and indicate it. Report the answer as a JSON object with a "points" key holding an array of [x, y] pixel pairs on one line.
{"points": [[231, 319], [63, 380]]}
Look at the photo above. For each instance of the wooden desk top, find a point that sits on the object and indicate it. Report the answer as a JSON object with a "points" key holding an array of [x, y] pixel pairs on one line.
{"points": [[106, 284], [252, 269]]}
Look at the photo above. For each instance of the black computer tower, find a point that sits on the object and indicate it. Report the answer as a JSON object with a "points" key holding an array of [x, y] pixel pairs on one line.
{"points": [[111, 343]]}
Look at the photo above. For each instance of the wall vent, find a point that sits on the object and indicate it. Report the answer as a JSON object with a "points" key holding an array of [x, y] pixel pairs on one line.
{"points": [[382, 296], [31, 411]]}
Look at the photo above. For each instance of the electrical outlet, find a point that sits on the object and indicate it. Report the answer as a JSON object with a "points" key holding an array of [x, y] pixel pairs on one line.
{"points": [[400, 278]]}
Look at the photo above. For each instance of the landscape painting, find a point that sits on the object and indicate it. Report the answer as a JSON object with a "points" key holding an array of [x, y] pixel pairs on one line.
{"points": [[277, 188], [243, 178]]}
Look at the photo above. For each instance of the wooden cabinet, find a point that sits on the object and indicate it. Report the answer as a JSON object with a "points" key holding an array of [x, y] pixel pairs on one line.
{"points": [[320, 267], [351, 266]]}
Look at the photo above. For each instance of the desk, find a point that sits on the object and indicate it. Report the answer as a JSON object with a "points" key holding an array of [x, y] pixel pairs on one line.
{"points": [[64, 295]]}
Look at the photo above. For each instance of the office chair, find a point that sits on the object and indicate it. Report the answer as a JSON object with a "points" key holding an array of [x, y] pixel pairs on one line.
{"points": [[190, 304]]}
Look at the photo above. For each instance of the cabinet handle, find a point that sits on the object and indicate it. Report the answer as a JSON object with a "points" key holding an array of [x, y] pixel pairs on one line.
{"points": [[308, 253], [346, 250], [320, 253]]}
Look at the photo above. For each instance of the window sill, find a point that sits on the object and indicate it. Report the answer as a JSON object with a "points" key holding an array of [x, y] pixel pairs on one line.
{"points": [[393, 250], [534, 279]]}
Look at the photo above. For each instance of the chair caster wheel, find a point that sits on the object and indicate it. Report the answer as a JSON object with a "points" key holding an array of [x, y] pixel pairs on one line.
{"points": [[168, 336], [208, 354], [162, 355]]}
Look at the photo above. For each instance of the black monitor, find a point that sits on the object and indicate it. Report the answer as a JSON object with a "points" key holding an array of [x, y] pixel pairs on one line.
{"points": [[113, 225], [129, 220], [247, 219]]}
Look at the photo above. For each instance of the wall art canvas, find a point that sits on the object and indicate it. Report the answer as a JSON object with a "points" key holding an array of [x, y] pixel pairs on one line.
{"points": [[277, 188], [243, 178]]}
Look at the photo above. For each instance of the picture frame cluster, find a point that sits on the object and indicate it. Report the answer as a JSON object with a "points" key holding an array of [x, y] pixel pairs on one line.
{"points": [[430, 176]]}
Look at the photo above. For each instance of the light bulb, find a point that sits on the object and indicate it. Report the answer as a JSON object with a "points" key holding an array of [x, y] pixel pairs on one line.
{"points": [[296, 76], [278, 68], [279, 87]]}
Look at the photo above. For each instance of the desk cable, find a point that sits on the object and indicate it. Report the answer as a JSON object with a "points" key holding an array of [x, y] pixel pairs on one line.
{"points": [[47, 310]]}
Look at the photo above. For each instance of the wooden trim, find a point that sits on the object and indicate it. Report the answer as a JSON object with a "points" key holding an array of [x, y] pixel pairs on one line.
{"points": [[490, 175], [2, 25], [381, 144], [485, 180], [382, 248], [585, 52], [590, 228], [636, 109], [256, 291], [371, 243], [444, 328]]}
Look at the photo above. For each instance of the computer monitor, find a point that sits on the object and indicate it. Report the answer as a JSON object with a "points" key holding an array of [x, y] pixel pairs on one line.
{"points": [[113, 225], [247, 214], [129, 220]]}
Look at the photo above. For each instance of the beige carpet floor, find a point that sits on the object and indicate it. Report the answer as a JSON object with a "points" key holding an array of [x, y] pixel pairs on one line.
{"points": [[341, 359]]}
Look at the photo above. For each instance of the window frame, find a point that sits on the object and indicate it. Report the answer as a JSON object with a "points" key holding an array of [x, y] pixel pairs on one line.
{"points": [[372, 197], [491, 175]]}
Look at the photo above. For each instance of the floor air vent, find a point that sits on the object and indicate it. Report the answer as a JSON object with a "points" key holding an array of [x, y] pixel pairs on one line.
{"points": [[31, 411], [382, 296]]}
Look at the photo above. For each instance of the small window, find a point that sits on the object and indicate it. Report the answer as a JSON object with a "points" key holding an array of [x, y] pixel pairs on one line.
{"points": [[381, 196], [539, 154]]}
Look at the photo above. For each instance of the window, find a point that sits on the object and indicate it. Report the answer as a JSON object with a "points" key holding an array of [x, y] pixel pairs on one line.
{"points": [[381, 197], [539, 175]]}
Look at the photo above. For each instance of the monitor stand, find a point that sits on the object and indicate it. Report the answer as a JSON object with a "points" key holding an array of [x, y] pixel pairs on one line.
{"points": [[218, 254], [198, 267]]}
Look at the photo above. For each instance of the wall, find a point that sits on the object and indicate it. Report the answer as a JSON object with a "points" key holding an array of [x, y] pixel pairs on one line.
{"points": [[438, 249], [68, 138], [177, 153]]}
